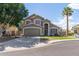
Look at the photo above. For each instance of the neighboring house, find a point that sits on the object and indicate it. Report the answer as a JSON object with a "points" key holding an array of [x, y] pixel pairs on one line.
{"points": [[76, 29], [36, 25]]}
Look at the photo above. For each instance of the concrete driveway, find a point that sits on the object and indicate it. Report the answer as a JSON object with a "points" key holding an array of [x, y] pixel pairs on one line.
{"points": [[64, 48]]}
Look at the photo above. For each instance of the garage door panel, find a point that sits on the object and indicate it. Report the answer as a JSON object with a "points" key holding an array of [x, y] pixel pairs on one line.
{"points": [[31, 32]]}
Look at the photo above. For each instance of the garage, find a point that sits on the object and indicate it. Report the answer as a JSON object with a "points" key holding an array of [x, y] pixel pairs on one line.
{"points": [[31, 31]]}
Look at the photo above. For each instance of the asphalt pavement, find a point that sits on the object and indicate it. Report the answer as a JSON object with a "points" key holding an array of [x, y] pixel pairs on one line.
{"points": [[64, 48]]}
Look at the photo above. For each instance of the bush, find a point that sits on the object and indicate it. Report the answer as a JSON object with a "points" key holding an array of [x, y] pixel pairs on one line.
{"points": [[71, 33], [44, 39]]}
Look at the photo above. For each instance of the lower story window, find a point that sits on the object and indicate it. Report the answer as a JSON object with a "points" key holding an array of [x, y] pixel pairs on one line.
{"points": [[53, 32]]}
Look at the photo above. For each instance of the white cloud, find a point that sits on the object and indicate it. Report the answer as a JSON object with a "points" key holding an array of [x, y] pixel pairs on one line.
{"points": [[62, 23], [74, 5]]}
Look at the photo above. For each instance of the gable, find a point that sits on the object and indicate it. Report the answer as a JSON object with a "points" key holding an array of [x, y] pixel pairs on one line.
{"points": [[34, 16]]}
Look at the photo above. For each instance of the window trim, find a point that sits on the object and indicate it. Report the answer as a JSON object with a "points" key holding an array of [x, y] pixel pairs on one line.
{"points": [[39, 22], [27, 20]]}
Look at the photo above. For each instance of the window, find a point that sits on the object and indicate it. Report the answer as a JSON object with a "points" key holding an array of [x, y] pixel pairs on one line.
{"points": [[27, 22], [45, 29], [37, 22], [41, 23], [54, 32]]}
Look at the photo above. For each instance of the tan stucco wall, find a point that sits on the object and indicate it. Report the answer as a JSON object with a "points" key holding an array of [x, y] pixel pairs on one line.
{"points": [[77, 30], [12, 28]]}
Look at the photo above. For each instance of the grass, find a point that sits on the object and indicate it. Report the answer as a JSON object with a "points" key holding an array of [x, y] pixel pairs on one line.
{"points": [[59, 37]]}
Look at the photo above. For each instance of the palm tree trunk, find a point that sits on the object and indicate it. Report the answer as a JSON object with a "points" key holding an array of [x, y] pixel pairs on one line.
{"points": [[67, 30]]}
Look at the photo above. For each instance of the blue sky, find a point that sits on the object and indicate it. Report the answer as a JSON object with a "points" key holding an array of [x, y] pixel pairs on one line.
{"points": [[53, 12]]}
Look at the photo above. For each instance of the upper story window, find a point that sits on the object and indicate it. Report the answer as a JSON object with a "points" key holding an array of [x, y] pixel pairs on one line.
{"points": [[38, 22], [27, 22]]}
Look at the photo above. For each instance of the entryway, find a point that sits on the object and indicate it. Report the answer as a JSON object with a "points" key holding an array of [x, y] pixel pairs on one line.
{"points": [[46, 29]]}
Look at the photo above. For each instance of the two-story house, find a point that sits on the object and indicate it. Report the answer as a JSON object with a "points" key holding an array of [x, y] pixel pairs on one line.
{"points": [[36, 25]]}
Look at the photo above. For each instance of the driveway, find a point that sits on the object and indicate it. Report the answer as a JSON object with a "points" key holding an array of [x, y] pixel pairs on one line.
{"points": [[64, 48], [18, 43]]}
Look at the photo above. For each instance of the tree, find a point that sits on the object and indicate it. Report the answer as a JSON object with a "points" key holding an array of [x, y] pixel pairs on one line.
{"points": [[12, 13], [67, 12]]}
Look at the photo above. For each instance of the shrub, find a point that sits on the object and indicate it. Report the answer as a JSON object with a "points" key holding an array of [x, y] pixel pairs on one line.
{"points": [[44, 39], [70, 33]]}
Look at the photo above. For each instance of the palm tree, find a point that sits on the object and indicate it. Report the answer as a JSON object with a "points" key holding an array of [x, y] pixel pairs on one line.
{"points": [[67, 12]]}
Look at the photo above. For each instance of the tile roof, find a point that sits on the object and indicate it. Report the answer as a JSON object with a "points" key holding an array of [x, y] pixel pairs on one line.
{"points": [[33, 16]]}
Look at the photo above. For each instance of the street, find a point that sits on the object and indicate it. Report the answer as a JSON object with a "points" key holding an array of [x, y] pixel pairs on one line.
{"points": [[64, 48]]}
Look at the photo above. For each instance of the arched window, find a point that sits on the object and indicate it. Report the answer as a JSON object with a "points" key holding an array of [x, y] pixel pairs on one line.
{"points": [[27, 22], [38, 22], [46, 29]]}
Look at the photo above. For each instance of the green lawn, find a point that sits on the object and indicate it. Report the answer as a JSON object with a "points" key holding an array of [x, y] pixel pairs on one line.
{"points": [[59, 37]]}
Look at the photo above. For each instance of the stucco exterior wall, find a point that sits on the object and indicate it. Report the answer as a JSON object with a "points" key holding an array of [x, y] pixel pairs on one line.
{"points": [[39, 29]]}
